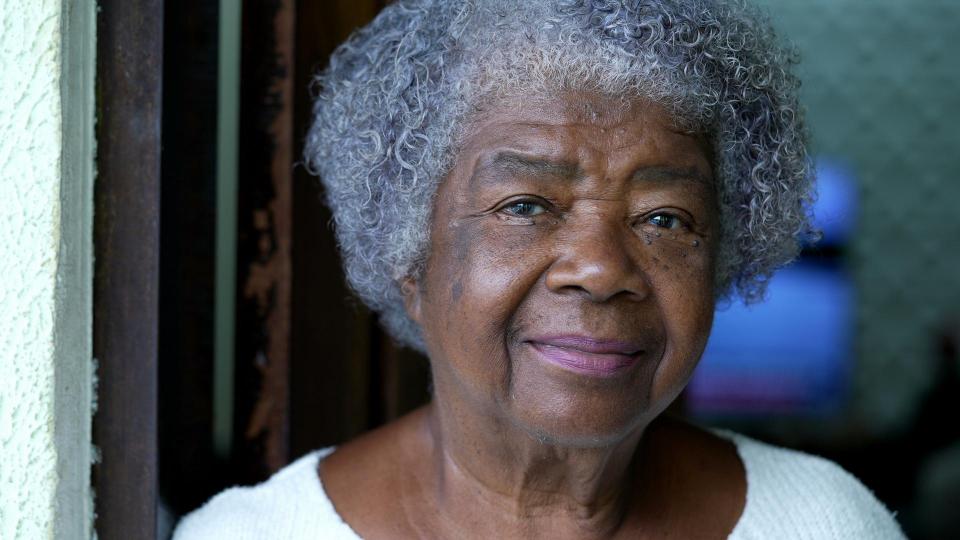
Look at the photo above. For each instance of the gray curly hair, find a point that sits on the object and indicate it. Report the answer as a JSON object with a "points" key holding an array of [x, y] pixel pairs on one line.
{"points": [[391, 107]]}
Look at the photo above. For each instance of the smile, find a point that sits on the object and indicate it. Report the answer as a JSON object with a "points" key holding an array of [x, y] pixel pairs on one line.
{"points": [[587, 356]]}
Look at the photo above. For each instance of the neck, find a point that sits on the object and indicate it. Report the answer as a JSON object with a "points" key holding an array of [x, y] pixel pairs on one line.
{"points": [[533, 485]]}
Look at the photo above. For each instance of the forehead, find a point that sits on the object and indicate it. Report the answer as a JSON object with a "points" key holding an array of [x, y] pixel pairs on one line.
{"points": [[583, 131]]}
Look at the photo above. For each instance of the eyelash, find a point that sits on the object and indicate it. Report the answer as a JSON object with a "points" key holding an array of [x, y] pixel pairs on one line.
{"points": [[508, 209], [679, 221], [530, 202]]}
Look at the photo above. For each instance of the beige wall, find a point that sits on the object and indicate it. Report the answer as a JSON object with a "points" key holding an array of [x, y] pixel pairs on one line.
{"points": [[46, 171]]}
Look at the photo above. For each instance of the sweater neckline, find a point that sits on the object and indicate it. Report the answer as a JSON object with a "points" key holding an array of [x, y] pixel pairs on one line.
{"points": [[312, 463]]}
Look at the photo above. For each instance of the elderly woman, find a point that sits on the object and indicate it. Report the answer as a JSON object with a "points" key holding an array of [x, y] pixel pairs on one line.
{"points": [[548, 198]]}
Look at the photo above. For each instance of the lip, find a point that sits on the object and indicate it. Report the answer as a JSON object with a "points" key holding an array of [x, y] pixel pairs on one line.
{"points": [[587, 355]]}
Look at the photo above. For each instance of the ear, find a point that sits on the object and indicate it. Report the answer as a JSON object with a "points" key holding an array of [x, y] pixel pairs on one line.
{"points": [[410, 288]]}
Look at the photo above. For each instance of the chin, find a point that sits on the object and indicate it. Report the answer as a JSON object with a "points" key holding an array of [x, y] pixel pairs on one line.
{"points": [[568, 408], [575, 437], [585, 422]]}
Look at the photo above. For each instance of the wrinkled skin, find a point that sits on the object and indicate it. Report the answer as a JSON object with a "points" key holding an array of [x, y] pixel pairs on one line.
{"points": [[569, 220], [621, 249]]}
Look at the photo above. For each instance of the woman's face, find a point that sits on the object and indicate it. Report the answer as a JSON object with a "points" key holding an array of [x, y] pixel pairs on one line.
{"points": [[569, 286]]}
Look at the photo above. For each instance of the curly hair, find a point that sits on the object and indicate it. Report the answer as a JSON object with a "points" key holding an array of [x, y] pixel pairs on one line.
{"points": [[391, 106]]}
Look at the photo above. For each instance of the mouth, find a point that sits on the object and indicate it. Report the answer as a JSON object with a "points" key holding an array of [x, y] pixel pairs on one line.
{"points": [[587, 355]]}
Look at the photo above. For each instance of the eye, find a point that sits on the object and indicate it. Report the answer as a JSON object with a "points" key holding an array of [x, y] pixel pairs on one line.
{"points": [[666, 221], [524, 208]]}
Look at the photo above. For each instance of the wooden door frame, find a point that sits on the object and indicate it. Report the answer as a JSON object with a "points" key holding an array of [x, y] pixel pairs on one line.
{"points": [[129, 78], [312, 369]]}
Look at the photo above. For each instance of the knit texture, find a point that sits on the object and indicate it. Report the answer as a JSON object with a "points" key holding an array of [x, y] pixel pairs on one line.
{"points": [[790, 495]]}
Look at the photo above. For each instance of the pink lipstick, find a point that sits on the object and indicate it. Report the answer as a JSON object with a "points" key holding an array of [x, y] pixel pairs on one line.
{"points": [[587, 355]]}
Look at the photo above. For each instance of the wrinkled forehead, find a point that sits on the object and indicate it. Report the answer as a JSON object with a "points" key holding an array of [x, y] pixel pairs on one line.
{"points": [[545, 122], [573, 135]]}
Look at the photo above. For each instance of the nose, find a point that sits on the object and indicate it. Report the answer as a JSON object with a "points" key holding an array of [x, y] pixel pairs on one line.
{"points": [[595, 261]]}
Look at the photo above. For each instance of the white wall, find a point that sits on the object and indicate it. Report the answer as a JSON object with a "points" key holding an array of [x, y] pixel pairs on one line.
{"points": [[46, 171]]}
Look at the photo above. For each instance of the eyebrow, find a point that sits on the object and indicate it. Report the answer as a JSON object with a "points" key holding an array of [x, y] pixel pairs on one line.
{"points": [[524, 165], [520, 164]]}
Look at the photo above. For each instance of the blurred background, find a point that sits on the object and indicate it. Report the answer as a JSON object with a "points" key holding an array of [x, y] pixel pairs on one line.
{"points": [[264, 355]]}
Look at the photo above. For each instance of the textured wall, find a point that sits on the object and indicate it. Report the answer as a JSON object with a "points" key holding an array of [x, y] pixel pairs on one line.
{"points": [[45, 174], [882, 89]]}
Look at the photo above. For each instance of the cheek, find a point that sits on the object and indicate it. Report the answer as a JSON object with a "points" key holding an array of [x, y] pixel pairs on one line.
{"points": [[679, 265], [477, 276], [681, 273], [495, 269]]}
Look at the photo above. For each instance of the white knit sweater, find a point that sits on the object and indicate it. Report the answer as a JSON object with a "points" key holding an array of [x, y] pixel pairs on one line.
{"points": [[790, 495]]}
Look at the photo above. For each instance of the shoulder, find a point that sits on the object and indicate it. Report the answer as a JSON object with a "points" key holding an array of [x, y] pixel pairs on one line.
{"points": [[291, 505], [791, 494]]}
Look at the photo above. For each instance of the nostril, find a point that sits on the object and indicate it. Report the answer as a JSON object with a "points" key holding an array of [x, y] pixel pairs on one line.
{"points": [[597, 280]]}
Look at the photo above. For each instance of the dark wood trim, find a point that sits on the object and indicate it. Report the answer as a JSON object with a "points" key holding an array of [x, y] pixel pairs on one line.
{"points": [[346, 375], [264, 208], [188, 262], [126, 269], [330, 332]]}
